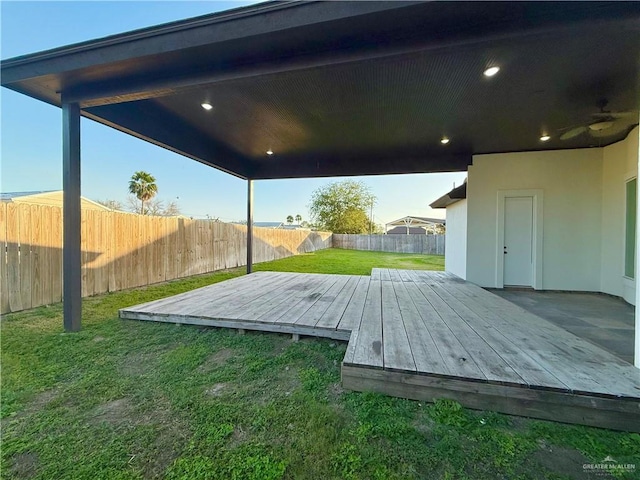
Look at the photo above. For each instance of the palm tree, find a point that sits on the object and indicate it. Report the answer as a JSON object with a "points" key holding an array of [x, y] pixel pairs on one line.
{"points": [[289, 219], [143, 186], [298, 219]]}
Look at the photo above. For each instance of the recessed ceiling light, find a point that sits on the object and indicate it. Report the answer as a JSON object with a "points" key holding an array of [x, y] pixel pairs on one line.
{"points": [[444, 140], [545, 138], [207, 106], [491, 71], [269, 152]]}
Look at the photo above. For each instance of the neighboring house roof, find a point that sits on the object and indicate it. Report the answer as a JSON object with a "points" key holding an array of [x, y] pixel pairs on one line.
{"points": [[51, 197], [268, 224], [294, 227], [413, 221], [455, 195], [403, 231]]}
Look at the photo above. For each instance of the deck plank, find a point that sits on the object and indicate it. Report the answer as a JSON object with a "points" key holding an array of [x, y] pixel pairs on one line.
{"points": [[278, 299], [491, 364], [524, 365], [164, 302], [352, 315], [455, 356], [368, 349], [224, 300], [312, 316], [302, 287], [394, 276], [405, 275], [395, 342], [579, 364], [239, 306], [305, 300], [425, 352], [332, 316]]}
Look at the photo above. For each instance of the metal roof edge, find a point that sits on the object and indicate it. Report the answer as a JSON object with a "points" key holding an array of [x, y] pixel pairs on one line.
{"points": [[156, 30]]}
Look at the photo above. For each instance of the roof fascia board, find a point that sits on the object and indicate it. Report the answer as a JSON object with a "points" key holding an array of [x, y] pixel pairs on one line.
{"points": [[117, 92], [241, 23]]}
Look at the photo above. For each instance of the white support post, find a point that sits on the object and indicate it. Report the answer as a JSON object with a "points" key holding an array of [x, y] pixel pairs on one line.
{"points": [[636, 358]]}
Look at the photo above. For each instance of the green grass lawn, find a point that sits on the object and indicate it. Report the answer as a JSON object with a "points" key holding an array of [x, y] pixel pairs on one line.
{"points": [[130, 400], [352, 262]]}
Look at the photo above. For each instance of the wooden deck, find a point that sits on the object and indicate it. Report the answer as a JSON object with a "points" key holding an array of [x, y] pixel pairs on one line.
{"points": [[426, 335]]}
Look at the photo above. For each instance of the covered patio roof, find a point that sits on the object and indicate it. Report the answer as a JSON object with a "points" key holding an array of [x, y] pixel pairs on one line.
{"points": [[352, 88]]}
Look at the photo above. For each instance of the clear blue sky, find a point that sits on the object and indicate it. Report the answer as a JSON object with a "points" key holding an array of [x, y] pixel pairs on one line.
{"points": [[31, 130]]}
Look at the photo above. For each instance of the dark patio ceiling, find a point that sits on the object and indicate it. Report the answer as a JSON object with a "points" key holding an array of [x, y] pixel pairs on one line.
{"points": [[352, 88]]}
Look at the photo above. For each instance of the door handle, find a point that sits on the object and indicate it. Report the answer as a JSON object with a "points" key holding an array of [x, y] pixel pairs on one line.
{"points": [[505, 250]]}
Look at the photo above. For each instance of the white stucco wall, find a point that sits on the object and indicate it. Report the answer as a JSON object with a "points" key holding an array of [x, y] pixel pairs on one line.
{"points": [[619, 163], [571, 181], [455, 259], [583, 214]]}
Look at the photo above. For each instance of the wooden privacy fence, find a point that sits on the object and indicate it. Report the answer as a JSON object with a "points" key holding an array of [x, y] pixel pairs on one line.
{"points": [[123, 250], [425, 244]]}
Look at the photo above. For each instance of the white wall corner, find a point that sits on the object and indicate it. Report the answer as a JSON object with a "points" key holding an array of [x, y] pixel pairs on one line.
{"points": [[637, 329]]}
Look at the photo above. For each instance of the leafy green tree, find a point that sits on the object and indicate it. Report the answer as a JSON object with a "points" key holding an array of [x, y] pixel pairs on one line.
{"points": [[143, 186], [298, 219], [289, 219], [342, 207]]}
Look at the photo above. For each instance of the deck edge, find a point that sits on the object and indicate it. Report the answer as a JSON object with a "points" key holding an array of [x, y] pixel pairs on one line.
{"points": [[615, 414]]}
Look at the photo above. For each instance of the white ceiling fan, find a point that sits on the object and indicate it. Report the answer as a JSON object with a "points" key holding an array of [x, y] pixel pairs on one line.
{"points": [[603, 123]]}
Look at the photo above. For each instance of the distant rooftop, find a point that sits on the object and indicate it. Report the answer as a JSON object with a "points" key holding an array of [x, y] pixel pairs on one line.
{"points": [[414, 221], [267, 224], [407, 231], [53, 198], [11, 195]]}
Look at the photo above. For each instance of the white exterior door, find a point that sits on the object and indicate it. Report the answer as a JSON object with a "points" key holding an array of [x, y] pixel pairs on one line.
{"points": [[518, 241]]}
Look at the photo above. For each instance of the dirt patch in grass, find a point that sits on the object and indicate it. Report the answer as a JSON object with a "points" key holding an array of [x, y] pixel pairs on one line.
{"points": [[216, 390], [336, 390], [136, 364], [288, 380], [168, 446], [216, 359], [561, 461], [24, 465], [115, 412], [40, 401], [423, 425], [239, 436], [171, 433]]}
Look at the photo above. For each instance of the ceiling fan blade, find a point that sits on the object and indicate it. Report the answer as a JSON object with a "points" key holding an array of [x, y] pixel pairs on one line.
{"points": [[574, 132], [615, 115], [618, 127], [630, 115]]}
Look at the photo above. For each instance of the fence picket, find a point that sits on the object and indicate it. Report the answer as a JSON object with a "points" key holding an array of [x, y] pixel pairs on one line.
{"points": [[4, 291], [423, 244], [123, 250]]}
